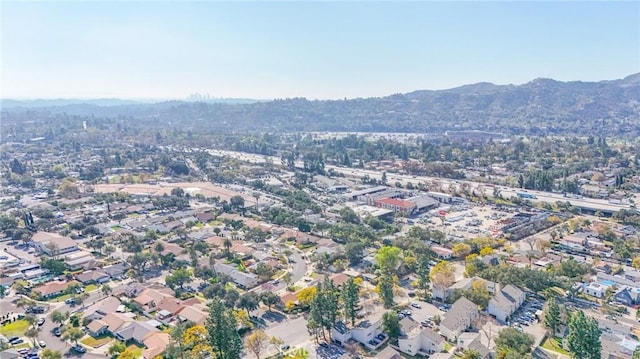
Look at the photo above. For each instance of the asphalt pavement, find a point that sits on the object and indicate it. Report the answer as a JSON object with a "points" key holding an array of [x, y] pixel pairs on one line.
{"points": [[298, 270]]}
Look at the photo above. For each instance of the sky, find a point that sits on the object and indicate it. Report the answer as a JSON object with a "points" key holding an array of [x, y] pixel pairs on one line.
{"points": [[317, 50]]}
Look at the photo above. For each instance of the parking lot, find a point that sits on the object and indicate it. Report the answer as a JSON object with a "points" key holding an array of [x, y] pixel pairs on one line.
{"points": [[421, 311], [326, 351], [526, 314]]}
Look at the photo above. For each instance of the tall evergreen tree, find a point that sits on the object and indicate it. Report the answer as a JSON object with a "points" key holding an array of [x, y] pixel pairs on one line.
{"points": [[385, 290], [584, 336], [552, 316], [350, 300], [223, 333]]}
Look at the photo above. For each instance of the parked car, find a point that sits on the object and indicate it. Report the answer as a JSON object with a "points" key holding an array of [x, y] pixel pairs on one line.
{"points": [[79, 349], [56, 332], [416, 305], [18, 341], [42, 344], [41, 321]]}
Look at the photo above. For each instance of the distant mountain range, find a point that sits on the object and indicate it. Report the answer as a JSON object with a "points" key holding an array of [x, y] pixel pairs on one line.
{"points": [[542, 106], [36, 103]]}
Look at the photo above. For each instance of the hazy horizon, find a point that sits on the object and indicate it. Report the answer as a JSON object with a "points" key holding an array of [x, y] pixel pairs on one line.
{"points": [[147, 51], [211, 98]]}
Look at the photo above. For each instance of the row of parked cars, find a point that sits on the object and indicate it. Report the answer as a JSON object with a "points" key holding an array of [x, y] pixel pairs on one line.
{"points": [[526, 315], [29, 354]]}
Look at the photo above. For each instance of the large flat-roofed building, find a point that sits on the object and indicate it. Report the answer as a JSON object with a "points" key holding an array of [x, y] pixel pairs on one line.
{"points": [[396, 205], [53, 243], [352, 196]]}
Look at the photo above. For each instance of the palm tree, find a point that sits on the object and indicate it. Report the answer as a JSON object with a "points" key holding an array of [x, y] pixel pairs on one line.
{"points": [[257, 196], [227, 246]]}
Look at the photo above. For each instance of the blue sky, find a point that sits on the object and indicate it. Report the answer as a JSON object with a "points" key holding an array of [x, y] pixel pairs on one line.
{"points": [[88, 49]]}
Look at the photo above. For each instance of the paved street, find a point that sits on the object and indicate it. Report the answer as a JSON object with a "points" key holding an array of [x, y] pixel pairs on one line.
{"points": [[53, 342], [299, 269], [292, 331]]}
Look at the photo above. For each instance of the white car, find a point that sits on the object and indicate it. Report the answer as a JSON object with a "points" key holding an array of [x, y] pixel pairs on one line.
{"points": [[42, 344]]}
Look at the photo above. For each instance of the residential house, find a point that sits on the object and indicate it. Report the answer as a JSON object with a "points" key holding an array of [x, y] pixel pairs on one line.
{"points": [[117, 270], [169, 306], [102, 307], [241, 250], [441, 293], [595, 289], [419, 341], [365, 332], [505, 302], [53, 243], [80, 260], [471, 341], [242, 279], [339, 279], [628, 296], [196, 314], [461, 285], [155, 344], [442, 253], [93, 276], [632, 275], [205, 217], [53, 289], [458, 318], [134, 331], [150, 297], [109, 324], [97, 328], [617, 279], [388, 353]]}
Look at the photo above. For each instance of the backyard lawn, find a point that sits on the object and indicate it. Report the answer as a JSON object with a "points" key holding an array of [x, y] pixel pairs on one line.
{"points": [[96, 342], [555, 345], [136, 349], [15, 329]]}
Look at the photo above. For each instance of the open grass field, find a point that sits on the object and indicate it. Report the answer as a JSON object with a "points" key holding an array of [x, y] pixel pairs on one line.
{"points": [[14, 329]]}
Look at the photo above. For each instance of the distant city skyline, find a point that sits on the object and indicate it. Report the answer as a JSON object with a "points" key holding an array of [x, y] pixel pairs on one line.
{"points": [[317, 50]]}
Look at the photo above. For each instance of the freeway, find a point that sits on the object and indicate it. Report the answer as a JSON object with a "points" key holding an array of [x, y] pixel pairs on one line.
{"points": [[447, 184]]}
